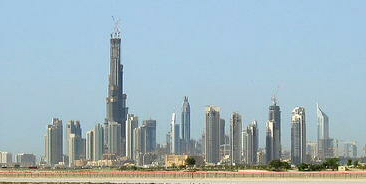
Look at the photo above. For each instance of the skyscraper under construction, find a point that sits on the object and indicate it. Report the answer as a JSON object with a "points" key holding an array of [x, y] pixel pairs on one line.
{"points": [[116, 100], [273, 132]]}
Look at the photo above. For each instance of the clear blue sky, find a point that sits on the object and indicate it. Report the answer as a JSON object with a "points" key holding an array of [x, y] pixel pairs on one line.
{"points": [[54, 58]]}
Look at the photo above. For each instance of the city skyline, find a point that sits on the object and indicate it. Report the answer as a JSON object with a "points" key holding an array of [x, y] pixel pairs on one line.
{"points": [[65, 98]]}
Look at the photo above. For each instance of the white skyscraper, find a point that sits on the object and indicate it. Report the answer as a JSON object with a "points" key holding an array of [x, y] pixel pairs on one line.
{"points": [[298, 136], [72, 141], [174, 136], [324, 142], [90, 145], [131, 124]]}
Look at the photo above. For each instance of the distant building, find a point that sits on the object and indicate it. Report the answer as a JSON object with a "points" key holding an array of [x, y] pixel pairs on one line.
{"points": [[222, 132], [350, 150], [261, 157], [185, 128], [251, 137], [25, 160], [98, 142], [139, 143], [324, 142], [235, 138], [132, 123], [273, 132], [114, 138], [149, 128], [311, 151], [53, 143], [73, 127], [6, 158], [72, 143], [298, 136], [90, 145], [175, 138], [212, 144]]}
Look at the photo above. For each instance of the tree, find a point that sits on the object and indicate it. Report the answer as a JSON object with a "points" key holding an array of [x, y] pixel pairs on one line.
{"points": [[331, 163], [303, 167], [349, 162], [277, 165], [190, 161], [355, 163]]}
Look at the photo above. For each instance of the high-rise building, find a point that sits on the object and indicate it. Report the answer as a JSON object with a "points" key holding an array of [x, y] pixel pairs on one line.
{"points": [[212, 147], [222, 132], [324, 142], [98, 142], [53, 143], [25, 159], [114, 138], [72, 143], [149, 128], [73, 127], [174, 133], [244, 144], [251, 143], [298, 136], [116, 100], [235, 138], [273, 132], [131, 124], [90, 145], [139, 143], [185, 128]]}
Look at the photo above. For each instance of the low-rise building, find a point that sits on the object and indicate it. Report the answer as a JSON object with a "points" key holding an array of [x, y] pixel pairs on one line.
{"points": [[25, 160], [178, 160]]}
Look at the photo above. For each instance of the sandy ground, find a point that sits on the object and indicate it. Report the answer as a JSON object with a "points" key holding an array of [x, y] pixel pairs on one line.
{"points": [[191, 181]]}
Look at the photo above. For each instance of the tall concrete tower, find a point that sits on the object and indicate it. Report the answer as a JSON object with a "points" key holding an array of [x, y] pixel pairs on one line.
{"points": [[273, 132], [298, 136], [53, 142], [235, 138], [185, 128], [116, 100], [250, 136], [212, 147], [98, 142]]}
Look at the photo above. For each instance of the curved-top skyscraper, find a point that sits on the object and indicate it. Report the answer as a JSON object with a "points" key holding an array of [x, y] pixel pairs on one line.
{"points": [[324, 142], [116, 100]]}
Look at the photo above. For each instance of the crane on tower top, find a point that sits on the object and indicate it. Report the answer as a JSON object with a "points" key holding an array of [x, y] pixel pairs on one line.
{"points": [[116, 28]]}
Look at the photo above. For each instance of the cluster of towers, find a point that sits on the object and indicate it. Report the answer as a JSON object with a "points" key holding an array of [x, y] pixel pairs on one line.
{"points": [[120, 135], [179, 137]]}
